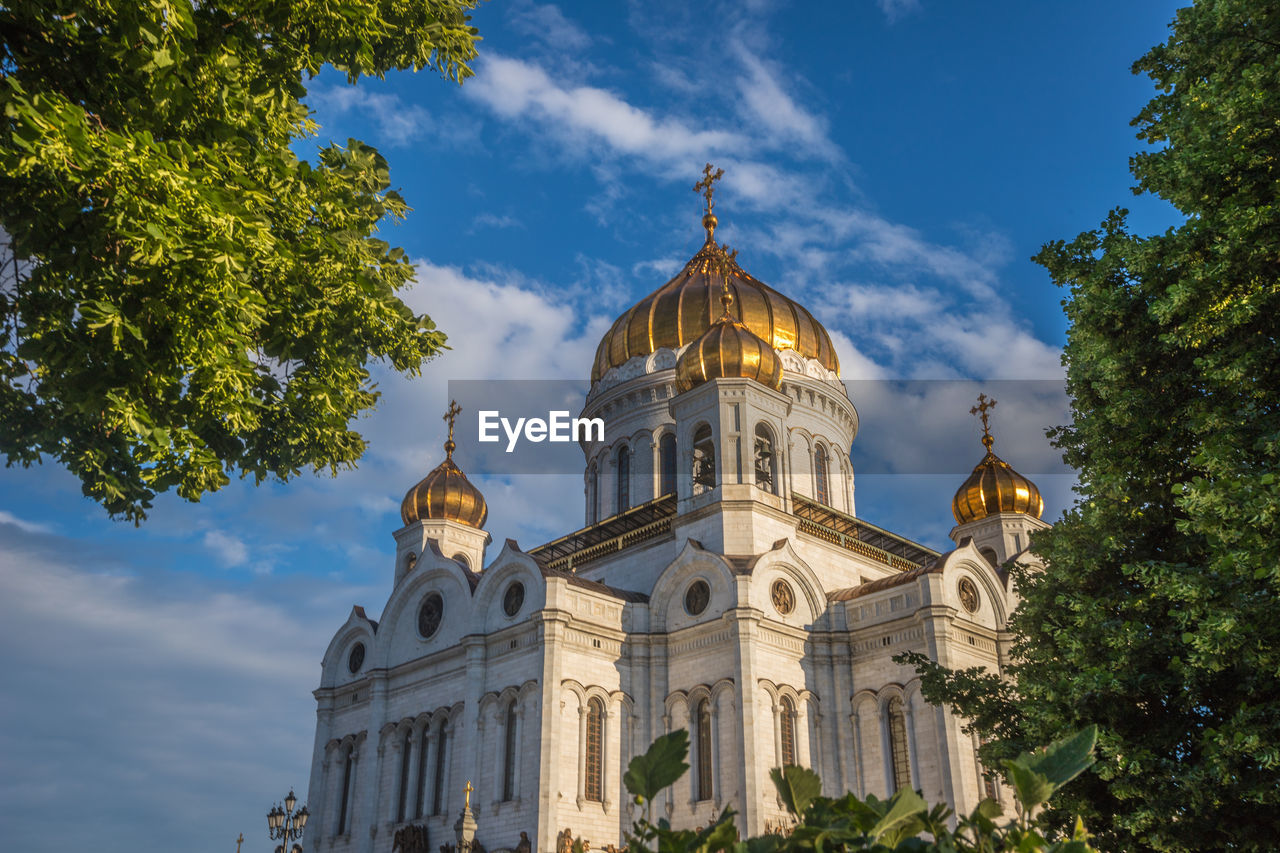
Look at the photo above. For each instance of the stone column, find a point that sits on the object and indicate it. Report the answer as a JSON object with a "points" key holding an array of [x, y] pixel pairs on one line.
{"points": [[746, 622], [551, 637]]}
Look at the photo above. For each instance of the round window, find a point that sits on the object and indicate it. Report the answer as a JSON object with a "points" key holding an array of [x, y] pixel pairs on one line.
{"points": [[513, 599], [968, 595], [430, 614], [355, 660], [696, 597], [784, 599]]}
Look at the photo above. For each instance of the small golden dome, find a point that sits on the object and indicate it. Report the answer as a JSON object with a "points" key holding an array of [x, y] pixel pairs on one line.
{"points": [[994, 486], [445, 493], [686, 307], [728, 349]]}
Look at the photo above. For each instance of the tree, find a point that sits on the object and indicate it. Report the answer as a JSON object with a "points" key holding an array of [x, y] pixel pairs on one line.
{"points": [[185, 297], [1156, 616]]}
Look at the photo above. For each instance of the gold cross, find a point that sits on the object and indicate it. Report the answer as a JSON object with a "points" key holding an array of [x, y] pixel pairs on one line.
{"points": [[452, 413], [984, 406], [467, 791], [239, 841], [707, 186]]}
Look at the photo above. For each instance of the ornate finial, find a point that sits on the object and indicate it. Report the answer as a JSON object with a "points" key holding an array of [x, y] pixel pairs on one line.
{"points": [[726, 260], [239, 841], [466, 802], [707, 188], [451, 415], [984, 406]]}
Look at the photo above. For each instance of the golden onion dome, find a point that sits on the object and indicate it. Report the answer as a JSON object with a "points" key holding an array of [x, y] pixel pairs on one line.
{"points": [[994, 486], [445, 493], [728, 349], [687, 306]]}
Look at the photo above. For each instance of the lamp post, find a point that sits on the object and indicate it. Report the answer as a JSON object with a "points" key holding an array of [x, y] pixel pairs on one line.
{"points": [[285, 825]]}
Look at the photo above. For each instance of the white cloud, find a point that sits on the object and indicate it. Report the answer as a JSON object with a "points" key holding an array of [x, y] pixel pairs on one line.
{"points": [[493, 220], [7, 517], [396, 123], [587, 116], [548, 24], [125, 695], [230, 550], [767, 103]]}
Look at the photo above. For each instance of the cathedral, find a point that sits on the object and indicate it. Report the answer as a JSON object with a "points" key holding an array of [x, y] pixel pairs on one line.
{"points": [[722, 583]]}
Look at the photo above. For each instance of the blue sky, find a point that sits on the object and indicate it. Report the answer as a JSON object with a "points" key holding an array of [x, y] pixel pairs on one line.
{"points": [[892, 164]]}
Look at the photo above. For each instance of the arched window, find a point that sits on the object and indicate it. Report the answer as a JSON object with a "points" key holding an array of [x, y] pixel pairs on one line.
{"points": [[406, 756], [704, 750], [898, 746], [787, 723], [421, 804], [990, 554], [344, 806], [766, 460], [624, 479], [593, 787], [667, 464], [437, 793], [593, 492], [704, 460], [509, 755], [820, 476]]}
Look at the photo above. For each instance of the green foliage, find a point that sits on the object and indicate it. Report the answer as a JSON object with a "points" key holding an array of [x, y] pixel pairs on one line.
{"points": [[659, 767], [184, 297], [796, 785], [1156, 615], [848, 824]]}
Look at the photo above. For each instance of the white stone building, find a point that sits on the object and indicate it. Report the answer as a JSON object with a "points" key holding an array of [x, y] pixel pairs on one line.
{"points": [[723, 583]]}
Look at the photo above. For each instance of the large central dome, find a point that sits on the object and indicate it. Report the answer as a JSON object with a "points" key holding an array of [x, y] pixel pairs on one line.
{"points": [[685, 307]]}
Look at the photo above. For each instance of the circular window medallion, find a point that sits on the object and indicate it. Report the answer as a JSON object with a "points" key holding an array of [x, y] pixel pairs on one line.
{"points": [[968, 595], [784, 599], [430, 614], [513, 599], [696, 597], [355, 660]]}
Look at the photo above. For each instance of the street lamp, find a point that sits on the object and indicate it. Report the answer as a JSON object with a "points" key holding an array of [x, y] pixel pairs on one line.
{"points": [[285, 825]]}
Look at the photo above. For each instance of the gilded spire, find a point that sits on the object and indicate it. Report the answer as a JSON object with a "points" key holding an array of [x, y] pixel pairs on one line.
{"points": [[451, 415], [984, 406], [707, 188]]}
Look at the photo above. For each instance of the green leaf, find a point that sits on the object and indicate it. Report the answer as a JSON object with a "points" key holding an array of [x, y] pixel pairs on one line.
{"points": [[905, 810], [797, 786], [660, 766], [1031, 787], [1065, 759]]}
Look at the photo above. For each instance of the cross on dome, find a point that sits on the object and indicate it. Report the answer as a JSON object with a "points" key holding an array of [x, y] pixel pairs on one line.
{"points": [[984, 406], [451, 415], [707, 188]]}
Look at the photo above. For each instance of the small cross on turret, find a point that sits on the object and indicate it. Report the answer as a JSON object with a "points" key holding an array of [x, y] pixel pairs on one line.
{"points": [[707, 188], [451, 415], [984, 406]]}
